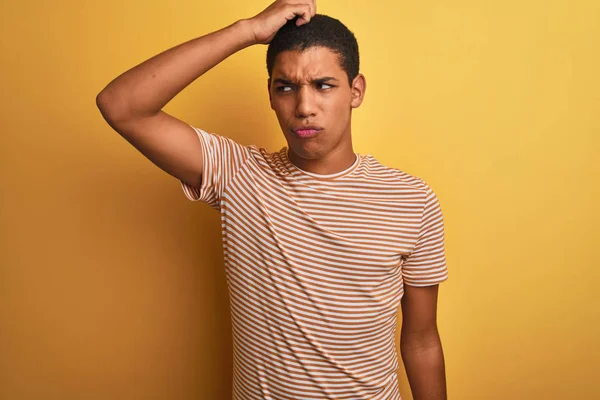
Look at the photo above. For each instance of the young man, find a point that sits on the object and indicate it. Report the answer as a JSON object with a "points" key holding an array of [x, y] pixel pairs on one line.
{"points": [[322, 245]]}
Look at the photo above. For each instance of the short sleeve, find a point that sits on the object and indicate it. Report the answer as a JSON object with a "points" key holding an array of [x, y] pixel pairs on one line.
{"points": [[222, 158], [426, 264]]}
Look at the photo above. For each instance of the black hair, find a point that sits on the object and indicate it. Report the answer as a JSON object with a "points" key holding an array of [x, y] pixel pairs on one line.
{"points": [[322, 31]]}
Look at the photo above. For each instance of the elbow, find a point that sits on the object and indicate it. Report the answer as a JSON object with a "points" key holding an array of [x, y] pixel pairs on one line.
{"points": [[117, 108], [109, 107], [420, 340], [103, 102]]}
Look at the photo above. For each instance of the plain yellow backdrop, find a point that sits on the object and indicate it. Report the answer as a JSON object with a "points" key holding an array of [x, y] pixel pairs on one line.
{"points": [[112, 283]]}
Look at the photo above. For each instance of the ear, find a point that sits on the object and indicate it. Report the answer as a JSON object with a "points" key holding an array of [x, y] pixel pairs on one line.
{"points": [[269, 90], [359, 87]]}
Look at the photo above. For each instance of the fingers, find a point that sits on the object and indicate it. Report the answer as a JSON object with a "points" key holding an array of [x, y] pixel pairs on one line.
{"points": [[299, 10], [311, 3], [305, 10], [306, 15], [313, 9]]}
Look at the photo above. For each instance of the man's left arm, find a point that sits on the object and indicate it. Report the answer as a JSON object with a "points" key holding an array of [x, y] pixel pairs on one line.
{"points": [[420, 343]]}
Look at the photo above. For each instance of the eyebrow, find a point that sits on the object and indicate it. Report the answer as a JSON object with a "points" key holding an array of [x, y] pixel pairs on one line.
{"points": [[317, 80]]}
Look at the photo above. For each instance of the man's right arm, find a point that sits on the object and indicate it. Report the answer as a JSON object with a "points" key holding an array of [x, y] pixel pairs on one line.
{"points": [[132, 103]]}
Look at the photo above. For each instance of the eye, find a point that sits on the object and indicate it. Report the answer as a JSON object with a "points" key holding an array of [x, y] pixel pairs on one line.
{"points": [[325, 84], [282, 88]]}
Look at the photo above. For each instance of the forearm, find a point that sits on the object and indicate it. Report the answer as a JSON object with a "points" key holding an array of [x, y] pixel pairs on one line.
{"points": [[148, 87], [424, 363]]}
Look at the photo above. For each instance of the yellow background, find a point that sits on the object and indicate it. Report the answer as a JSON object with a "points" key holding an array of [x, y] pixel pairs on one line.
{"points": [[112, 283]]}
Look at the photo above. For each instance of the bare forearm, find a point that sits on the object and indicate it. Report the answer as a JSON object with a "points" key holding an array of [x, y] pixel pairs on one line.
{"points": [[424, 364], [148, 87]]}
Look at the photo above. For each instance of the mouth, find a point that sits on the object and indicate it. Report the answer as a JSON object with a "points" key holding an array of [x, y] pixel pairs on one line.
{"points": [[307, 131]]}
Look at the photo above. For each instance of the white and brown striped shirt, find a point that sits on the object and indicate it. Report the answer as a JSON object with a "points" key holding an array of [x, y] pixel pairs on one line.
{"points": [[316, 267]]}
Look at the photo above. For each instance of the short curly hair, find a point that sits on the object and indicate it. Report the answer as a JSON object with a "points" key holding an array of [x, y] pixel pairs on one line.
{"points": [[322, 31]]}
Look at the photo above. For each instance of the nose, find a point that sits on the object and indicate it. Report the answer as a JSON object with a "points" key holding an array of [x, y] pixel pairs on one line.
{"points": [[305, 103]]}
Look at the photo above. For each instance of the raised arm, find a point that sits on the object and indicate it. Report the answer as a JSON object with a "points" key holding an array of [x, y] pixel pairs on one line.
{"points": [[132, 103]]}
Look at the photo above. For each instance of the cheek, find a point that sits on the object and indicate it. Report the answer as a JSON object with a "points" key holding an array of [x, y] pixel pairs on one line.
{"points": [[341, 110], [276, 107], [285, 112], [284, 116], [279, 106]]}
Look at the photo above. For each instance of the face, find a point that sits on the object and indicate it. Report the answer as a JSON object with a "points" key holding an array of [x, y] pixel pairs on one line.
{"points": [[310, 89]]}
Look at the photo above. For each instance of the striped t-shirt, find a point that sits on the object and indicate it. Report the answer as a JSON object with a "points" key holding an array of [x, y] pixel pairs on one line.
{"points": [[315, 266]]}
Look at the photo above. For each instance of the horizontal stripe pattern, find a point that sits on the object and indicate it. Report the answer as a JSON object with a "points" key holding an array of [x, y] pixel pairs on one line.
{"points": [[316, 267]]}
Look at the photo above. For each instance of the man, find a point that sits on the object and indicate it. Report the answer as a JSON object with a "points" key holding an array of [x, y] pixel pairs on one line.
{"points": [[321, 244]]}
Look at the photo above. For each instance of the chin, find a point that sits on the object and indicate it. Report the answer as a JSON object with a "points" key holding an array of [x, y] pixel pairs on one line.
{"points": [[307, 152]]}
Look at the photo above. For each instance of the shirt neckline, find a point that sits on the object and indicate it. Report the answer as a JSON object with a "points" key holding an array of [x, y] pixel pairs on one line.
{"points": [[292, 168]]}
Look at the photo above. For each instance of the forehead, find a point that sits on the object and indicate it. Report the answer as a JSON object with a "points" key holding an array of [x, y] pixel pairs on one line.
{"points": [[314, 62]]}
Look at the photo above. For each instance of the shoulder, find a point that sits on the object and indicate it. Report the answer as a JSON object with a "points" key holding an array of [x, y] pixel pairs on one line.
{"points": [[395, 176]]}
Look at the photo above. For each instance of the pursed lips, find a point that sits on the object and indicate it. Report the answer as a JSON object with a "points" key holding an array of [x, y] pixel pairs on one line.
{"points": [[307, 130]]}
